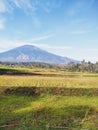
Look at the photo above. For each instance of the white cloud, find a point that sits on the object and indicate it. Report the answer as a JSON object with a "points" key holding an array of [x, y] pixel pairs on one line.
{"points": [[41, 38], [92, 50], [47, 46], [8, 44], [3, 6], [92, 41], [25, 5], [30, 7], [56, 49], [8, 5], [49, 5]]}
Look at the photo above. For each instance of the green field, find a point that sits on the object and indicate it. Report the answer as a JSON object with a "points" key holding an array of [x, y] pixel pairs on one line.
{"points": [[47, 99]]}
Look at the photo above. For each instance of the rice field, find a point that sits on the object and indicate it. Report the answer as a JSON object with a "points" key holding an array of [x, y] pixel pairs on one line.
{"points": [[49, 81], [51, 100]]}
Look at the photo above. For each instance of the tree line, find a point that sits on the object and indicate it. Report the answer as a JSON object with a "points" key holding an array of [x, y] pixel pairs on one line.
{"points": [[82, 66]]}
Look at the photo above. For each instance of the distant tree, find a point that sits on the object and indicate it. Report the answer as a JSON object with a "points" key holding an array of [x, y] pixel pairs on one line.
{"points": [[96, 67], [90, 67], [73, 66], [83, 66]]}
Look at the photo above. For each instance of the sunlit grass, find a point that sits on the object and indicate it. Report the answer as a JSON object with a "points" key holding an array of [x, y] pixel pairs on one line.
{"points": [[46, 108], [42, 81], [56, 102]]}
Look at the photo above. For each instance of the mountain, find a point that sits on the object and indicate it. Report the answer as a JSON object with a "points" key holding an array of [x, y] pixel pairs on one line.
{"points": [[30, 53]]}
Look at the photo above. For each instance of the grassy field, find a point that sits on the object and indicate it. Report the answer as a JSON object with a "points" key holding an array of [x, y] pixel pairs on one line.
{"points": [[47, 99]]}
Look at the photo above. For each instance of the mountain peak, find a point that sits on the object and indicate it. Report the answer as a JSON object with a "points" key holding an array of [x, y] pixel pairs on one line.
{"points": [[27, 45]]}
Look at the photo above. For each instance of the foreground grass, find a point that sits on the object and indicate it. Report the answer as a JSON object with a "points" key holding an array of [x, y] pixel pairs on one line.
{"points": [[48, 111], [50, 100]]}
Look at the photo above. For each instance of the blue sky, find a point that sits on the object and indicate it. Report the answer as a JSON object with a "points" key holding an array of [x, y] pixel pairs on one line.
{"points": [[64, 27]]}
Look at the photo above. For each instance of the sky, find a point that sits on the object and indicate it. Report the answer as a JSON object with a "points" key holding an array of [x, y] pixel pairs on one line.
{"points": [[67, 28]]}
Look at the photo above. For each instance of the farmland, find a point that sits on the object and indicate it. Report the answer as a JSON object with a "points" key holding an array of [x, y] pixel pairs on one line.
{"points": [[47, 99]]}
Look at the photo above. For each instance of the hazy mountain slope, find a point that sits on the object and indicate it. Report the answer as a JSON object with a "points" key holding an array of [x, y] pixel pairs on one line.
{"points": [[29, 53]]}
